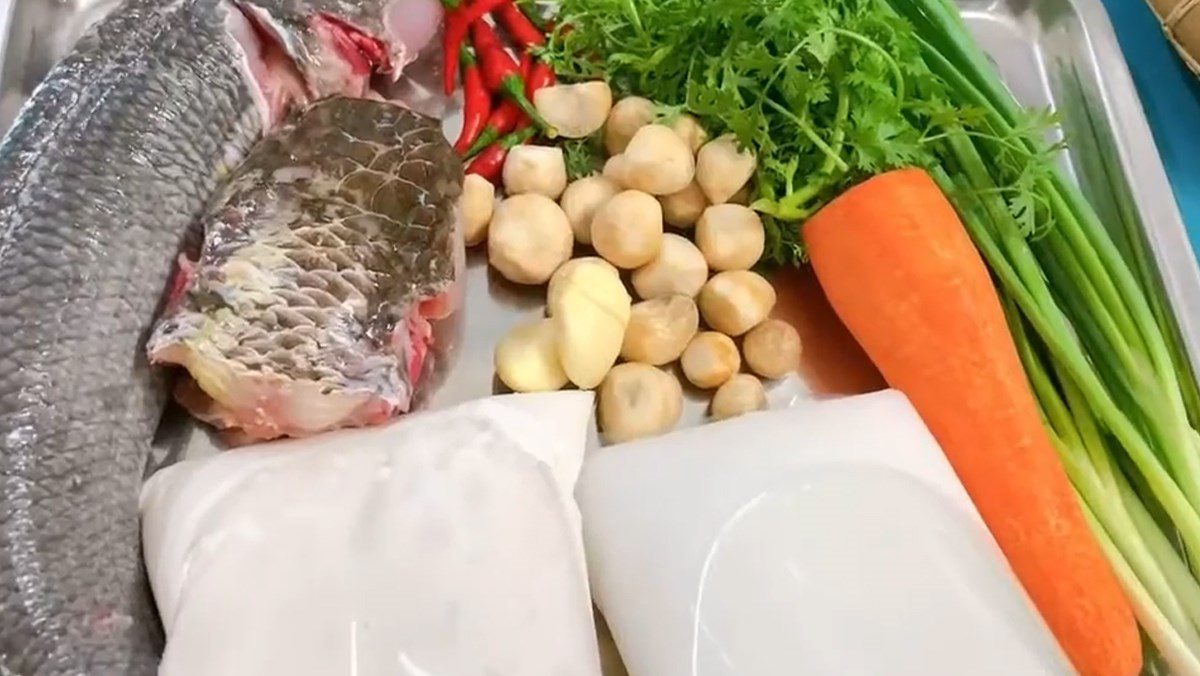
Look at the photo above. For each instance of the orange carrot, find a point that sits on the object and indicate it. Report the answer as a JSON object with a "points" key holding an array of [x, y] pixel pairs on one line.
{"points": [[900, 270]]}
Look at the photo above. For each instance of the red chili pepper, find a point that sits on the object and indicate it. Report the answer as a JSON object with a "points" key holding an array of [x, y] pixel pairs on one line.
{"points": [[501, 74], [454, 33], [490, 162], [541, 75], [531, 14], [460, 14], [519, 27], [502, 120], [477, 102], [506, 117], [495, 61]]}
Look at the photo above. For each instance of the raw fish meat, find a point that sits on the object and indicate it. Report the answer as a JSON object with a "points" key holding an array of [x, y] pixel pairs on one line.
{"points": [[325, 258]]}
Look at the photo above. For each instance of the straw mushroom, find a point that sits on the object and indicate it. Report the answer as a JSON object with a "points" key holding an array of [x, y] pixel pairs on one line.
{"points": [[614, 170], [627, 230], [733, 302], [626, 117], [682, 209], [478, 201], [679, 267], [730, 236], [772, 349], [710, 359], [657, 161], [528, 238], [741, 394], [582, 199], [535, 169], [722, 168], [660, 329], [638, 400], [575, 110], [688, 128]]}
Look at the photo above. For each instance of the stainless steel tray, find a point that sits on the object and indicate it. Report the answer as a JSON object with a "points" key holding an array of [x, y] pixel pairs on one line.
{"points": [[1061, 53]]}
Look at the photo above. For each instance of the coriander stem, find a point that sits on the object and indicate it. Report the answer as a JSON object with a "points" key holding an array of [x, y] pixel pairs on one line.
{"points": [[810, 134], [632, 13], [1017, 148], [839, 131], [790, 204], [783, 65]]}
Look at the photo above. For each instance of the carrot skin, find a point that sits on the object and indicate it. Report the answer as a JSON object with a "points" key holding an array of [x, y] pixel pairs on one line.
{"points": [[901, 272]]}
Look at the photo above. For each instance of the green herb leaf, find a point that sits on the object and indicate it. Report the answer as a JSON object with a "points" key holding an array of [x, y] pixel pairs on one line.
{"points": [[583, 156]]}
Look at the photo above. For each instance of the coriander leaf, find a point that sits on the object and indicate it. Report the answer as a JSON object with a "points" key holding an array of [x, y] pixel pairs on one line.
{"points": [[822, 46], [583, 156], [1021, 208]]}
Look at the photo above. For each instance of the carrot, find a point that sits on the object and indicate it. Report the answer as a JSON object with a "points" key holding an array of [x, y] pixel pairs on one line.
{"points": [[901, 272]]}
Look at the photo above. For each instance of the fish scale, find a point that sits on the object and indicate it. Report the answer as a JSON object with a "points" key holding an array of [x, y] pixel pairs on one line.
{"points": [[103, 177], [83, 256], [318, 252]]}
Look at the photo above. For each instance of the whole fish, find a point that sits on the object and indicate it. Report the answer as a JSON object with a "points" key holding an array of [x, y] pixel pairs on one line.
{"points": [[102, 177], [325, 258]]}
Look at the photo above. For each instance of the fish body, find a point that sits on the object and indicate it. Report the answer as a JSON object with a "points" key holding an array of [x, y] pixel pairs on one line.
{"points": [[102, 178], [326, 257]]}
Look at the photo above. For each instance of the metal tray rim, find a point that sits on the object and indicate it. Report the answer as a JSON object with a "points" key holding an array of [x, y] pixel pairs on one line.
{"points": [[1143, 169]]}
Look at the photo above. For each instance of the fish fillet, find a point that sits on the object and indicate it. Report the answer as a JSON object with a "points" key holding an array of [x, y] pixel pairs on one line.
{"points": [[325, 258], [102, 177]]}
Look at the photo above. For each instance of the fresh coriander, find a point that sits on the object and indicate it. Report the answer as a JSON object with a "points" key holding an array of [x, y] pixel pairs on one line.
{"points": [[584, 156], [825, 93]]}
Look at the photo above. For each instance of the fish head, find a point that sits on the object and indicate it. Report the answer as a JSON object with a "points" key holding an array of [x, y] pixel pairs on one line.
{"points": [[337, 45]]}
